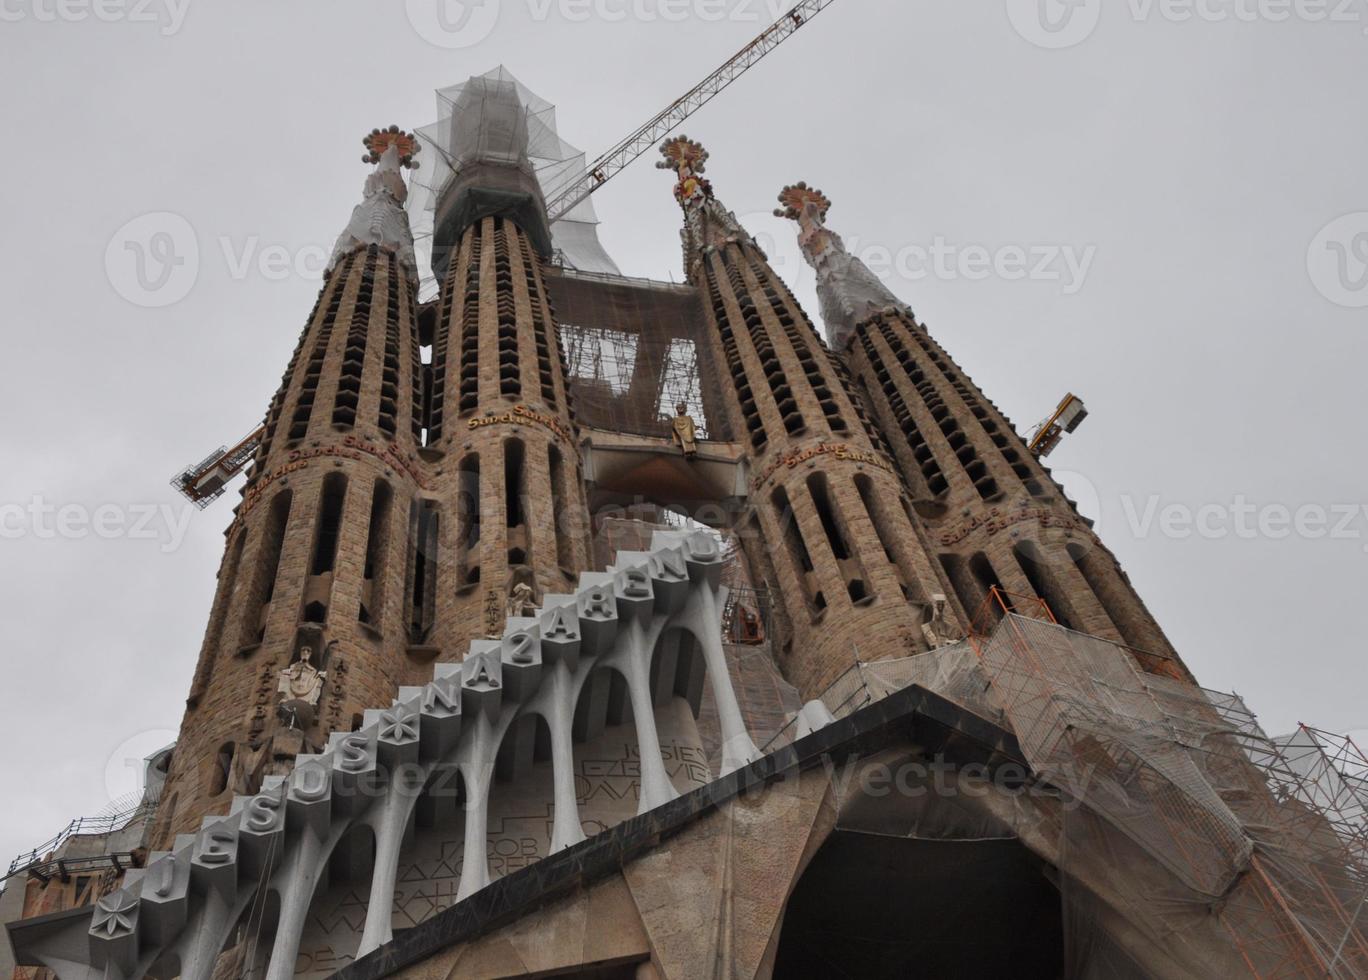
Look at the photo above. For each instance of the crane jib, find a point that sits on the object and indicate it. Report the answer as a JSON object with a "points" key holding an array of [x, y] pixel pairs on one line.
{"points": [[625, 151]]}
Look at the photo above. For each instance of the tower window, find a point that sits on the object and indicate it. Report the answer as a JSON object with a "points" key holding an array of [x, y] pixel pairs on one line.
{"points": [[223, 767], [329, 523]]}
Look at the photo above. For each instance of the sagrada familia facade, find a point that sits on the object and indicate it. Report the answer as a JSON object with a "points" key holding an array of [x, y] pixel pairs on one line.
{"points": [[525, 665]]}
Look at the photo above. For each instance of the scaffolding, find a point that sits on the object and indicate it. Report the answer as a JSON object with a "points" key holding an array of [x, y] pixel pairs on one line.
{"points": [[1243, 855], [1264, 836], [635, 350]]}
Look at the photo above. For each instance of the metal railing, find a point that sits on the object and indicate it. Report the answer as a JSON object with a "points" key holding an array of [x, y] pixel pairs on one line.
{"points": [[81, 827]]}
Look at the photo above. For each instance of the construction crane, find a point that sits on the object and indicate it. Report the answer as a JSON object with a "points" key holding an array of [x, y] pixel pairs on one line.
{"points": [[1066, 418], [204, 482], [664, 122]]}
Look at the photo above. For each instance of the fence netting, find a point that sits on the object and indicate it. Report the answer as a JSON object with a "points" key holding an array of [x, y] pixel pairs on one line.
{"points": [[1186, 841], [637, 349], [1216, 825]]}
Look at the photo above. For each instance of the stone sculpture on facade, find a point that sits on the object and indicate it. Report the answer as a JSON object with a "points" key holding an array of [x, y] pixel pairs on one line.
{"points": [[938, 630], [300, 689], [522, 601]]}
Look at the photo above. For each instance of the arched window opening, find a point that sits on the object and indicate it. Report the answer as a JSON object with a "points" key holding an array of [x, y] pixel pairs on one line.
{"points": [[268, 568], [1036, 567], [468, 521], [987, 579], [377, 548], [329, 523], [838, 537], [424, 524], [793, 541], [223, 767], [565, 556], [1104, 579]]}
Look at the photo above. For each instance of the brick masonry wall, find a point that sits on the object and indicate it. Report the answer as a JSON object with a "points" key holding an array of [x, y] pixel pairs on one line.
{"points": [[991, 512], [352, 409], [271, 545], [821, 481]]}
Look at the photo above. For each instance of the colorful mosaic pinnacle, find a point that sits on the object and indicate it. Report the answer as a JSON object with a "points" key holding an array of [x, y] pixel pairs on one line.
{"points": [[381, 140], [688, 159], [796, 197]]}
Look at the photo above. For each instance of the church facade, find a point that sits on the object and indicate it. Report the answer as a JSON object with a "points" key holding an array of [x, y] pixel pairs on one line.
{"points": [[523, 666]]}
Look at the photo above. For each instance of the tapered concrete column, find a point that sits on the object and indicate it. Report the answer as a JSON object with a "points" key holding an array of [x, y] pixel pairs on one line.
{"points": [[478, 774], [211, 932], [738, 749], [296, 896], [566, 829], [656, 788], [389, 829]]}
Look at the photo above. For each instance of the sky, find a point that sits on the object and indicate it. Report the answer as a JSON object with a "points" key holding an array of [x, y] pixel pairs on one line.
{"points": [[1159, 207]]}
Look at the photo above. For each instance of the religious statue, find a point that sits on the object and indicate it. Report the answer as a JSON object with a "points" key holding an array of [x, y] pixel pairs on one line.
{"points": [[522, 602], [938, 632], [685, 430], [300, 689]]}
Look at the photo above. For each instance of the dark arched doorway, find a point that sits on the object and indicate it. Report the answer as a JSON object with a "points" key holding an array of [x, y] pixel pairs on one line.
{"points": [[881, 908]]}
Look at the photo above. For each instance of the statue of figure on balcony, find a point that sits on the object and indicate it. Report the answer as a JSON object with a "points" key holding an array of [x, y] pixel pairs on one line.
{"points": [[300, 689], [522, 601], [685, 430]]}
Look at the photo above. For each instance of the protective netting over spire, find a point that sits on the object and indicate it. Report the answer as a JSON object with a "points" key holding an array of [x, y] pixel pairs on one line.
{"points": [[494, 119]]}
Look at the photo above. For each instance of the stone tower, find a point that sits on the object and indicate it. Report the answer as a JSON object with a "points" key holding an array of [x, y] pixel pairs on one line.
{"points": [[312, 589], [395, 506], [992, 512], [831, 524], [510, 508]]}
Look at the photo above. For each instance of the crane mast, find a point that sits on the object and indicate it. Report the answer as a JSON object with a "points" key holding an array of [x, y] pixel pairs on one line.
{"points": [[663, 123]]}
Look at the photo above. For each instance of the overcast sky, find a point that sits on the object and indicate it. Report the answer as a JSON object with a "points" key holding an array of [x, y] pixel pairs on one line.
{"points": [[1205, 177]]}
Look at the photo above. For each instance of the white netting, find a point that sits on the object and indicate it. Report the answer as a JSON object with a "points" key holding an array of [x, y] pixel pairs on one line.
{"points": [[494, 118]]}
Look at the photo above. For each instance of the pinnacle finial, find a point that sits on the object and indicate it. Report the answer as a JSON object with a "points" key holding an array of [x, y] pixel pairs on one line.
{"points": [[796, 197], [688, 159], [680, 152], [380, 140]]}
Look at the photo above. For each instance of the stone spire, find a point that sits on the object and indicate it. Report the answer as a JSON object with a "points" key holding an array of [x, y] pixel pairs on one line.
{"points": [[847, 290], [380, 218], [707, 223]]}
